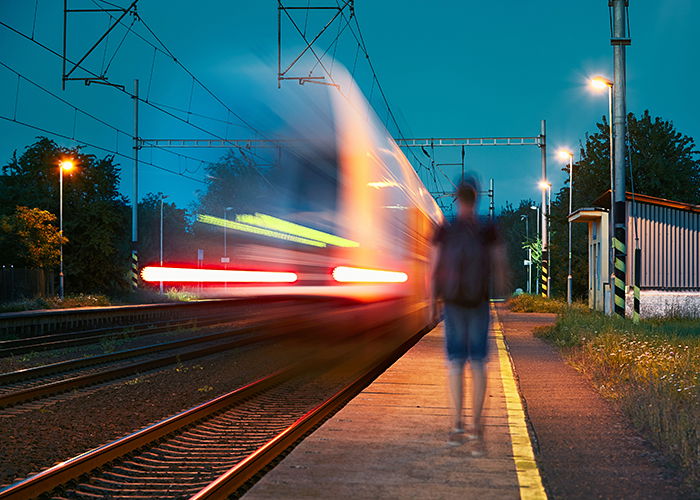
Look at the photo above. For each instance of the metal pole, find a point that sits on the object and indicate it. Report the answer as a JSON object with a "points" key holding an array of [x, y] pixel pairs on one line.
{"points": [[65, 27], [60, 230], [539, 238], [611, 225], [545, 237], [619, 42], [569, 279], [161, 236], [135, 201], [492, 207], [225, 228], [279, 43]]}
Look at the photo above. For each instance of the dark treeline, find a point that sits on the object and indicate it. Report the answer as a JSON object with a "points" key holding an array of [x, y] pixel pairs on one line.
{"points": [[97, 217]]}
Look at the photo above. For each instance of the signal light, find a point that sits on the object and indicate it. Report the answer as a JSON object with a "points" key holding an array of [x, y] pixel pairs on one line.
{"points": [[344, 274], [154, 274]]}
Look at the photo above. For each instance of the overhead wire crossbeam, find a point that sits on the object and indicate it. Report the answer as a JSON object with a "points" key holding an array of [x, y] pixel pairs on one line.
{"points": [[469, 141]]}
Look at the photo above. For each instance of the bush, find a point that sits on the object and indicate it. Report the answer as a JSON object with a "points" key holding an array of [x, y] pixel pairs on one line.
{"points": [[536, 303], [80, 300], [651, 369]]}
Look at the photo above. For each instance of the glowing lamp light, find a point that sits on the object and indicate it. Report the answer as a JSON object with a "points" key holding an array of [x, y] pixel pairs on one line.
{"points": [[564, 154], [600, 83], [152, 274], [343, 274], [67, 165], [544, 185]]}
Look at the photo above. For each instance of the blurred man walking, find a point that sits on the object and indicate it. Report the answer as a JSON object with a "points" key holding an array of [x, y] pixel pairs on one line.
{"points": [[470, 259]]}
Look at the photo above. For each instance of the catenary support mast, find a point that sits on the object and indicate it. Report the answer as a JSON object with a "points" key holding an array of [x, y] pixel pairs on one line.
{"points": [[619, 41]]}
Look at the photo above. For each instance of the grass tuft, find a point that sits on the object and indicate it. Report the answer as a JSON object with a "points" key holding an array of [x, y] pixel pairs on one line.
{"points": [[530, 303], [652, 369], [80, 300]]}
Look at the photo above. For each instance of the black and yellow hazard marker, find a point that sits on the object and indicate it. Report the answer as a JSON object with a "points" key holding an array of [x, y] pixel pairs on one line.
{"points": [[544, 282], [620, 254], [134, 269], [637, 281]]}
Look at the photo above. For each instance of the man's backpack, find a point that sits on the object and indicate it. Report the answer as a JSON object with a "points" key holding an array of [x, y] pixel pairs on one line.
{"points": [[464, 263]]}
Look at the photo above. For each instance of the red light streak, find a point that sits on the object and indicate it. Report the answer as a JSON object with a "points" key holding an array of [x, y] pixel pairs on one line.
{"points": [[154, 274], [343, 274]]}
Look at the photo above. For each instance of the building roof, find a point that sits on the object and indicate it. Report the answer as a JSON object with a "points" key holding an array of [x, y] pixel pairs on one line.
{"points": [[587, 214], [604, 201]]}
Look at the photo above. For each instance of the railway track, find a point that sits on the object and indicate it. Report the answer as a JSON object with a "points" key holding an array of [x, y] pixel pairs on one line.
{"points": [[214, 449], [43, 381], [16, 347]]}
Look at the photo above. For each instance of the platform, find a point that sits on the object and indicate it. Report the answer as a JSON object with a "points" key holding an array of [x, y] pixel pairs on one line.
{"points": [[391, 440]]}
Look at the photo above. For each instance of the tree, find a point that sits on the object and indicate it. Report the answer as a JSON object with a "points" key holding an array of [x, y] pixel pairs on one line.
{"points": [[176, 237], [29, 238], [663, 163], [234, 181], [95, 213], [513, 229]]}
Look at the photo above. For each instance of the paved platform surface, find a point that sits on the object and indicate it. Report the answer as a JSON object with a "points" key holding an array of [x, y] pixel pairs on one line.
{"points": [[391, 440]]}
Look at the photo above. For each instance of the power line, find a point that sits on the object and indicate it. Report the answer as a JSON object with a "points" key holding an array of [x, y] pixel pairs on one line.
{"points": [[82, 111], [101, 148], [149, 103]]}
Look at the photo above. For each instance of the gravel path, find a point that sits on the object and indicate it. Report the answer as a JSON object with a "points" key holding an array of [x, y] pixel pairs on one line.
{"points": [[53, 432]]}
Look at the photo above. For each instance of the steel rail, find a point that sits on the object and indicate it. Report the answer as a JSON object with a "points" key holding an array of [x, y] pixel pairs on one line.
{"points": [[66, 471], [93, 460], [237, 477], [72, 364], [48, 321], [59, 386], [75, 339]]}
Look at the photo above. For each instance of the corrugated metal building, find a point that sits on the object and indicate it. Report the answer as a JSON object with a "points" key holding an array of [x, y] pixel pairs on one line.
{"points": [[668, 235]]}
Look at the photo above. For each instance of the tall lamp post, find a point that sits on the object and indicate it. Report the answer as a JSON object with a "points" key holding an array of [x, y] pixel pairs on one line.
{"points": [[226, 211], [65, 165], [537, 209], [568, 155], [162, 197], [602, 83], [546, 188], [526, 218]]}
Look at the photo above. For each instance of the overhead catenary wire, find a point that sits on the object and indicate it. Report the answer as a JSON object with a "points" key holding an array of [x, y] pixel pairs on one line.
{"points": [[95, 146], [359, 38], [123, 90], [77, 110]]}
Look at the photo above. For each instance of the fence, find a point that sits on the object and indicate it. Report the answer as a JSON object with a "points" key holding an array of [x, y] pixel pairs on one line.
{"points": [[19, 283]]}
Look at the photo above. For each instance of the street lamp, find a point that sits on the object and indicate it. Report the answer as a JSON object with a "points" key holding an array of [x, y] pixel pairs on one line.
{"points": [[162, 197], [565, 154], [601, 83], [66, 165]]}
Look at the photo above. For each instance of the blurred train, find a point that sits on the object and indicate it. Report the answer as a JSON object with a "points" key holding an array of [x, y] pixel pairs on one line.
{"points": [[337, 211]]}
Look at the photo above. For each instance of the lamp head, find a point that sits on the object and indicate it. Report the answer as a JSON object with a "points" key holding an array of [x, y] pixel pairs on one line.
{"points": [[544, 185], [565, 154], [601, 83], [67, 165]]}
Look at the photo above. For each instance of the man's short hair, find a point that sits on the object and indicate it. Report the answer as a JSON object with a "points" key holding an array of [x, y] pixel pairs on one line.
{"points": [[466, 193]]}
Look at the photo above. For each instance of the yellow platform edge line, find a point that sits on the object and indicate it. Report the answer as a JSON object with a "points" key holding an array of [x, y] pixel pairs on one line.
{"points": [[529, 479]]}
